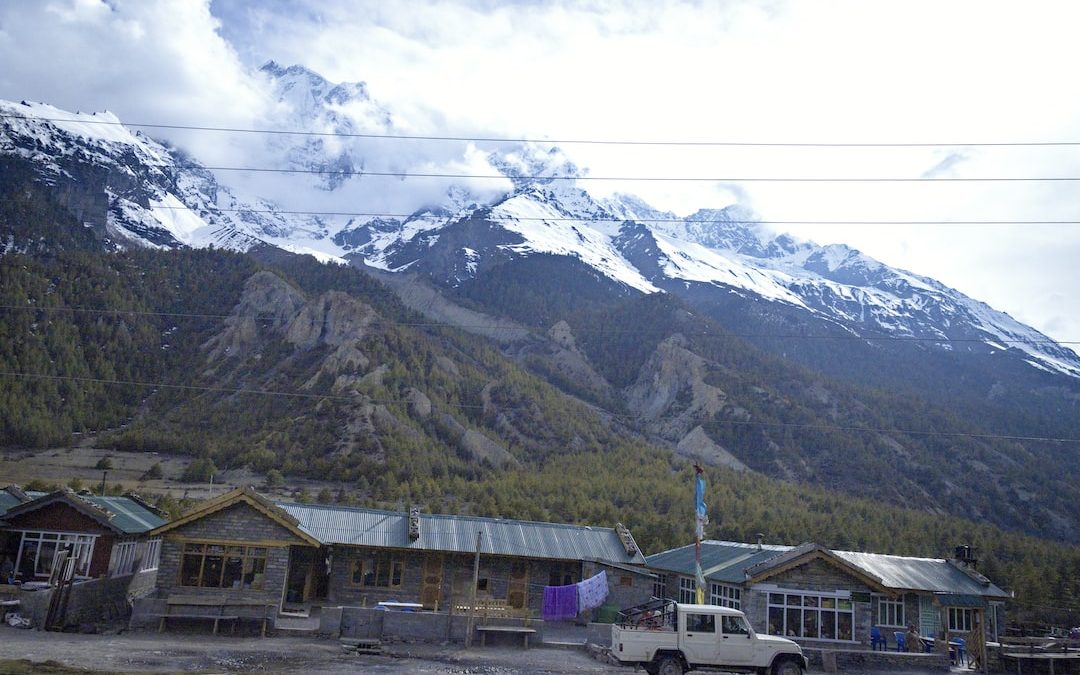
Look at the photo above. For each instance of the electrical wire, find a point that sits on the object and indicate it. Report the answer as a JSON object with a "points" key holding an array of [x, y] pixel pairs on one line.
{"points": [[634, 179], [556, 141]]}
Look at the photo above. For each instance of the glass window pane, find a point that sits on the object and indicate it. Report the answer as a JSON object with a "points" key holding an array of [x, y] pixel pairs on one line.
{"points": [[776, 621], [810, 624], [45, 558], [794, 622], [794, 600], [211, 573], [843, 626], [828, 625], [233, 572], [190, 567], [828, 603], [776, 599]]}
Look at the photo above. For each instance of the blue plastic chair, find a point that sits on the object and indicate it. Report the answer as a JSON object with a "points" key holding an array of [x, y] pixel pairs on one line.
{"points": [[877, 638], [901, 641], [961, 645]]}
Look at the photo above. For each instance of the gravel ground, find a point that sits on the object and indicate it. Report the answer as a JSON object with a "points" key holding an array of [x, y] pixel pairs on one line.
{"points": [[201, 653], [154, 653]]}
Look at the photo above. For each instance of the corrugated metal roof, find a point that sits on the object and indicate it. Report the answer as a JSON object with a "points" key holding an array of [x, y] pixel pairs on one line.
{"points": [[369, 527], [726, 561], [128, 516], [721, 561], [8, 500], [920, 574], [121, 513]]}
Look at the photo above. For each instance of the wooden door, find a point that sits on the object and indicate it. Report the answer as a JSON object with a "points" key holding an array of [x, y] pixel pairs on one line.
{"points": [[431, 585], [517, 592]]}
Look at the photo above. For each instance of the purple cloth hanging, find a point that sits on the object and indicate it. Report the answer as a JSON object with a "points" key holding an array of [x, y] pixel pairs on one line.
{"points": [[560, 603]]}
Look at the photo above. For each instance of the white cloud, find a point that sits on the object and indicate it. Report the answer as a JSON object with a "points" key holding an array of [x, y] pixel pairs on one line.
{"points": [[783, 71]]}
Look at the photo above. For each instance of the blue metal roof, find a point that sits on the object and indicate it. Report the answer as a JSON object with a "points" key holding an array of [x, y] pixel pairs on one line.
{"points": [[498, 536]]}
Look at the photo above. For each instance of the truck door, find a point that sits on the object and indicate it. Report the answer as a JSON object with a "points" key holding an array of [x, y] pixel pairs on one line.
{"points": [[699, 637], [736, 645]]}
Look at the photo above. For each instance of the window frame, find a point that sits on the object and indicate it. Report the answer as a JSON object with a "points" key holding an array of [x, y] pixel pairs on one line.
{"points": [[961, 619], [152, 555], [895, 607], [725, 595], [814, 606], [687, 590], [659, 586], [377, 565], [202, 550], [82, 545], [122, 560]]}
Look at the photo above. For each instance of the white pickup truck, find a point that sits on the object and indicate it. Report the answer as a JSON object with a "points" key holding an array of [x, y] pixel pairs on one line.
{"points": [[669, 638]]}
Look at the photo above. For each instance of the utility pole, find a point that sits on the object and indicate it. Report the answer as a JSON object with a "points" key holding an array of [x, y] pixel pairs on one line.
{"points": [[472, 599], [105, 472]]}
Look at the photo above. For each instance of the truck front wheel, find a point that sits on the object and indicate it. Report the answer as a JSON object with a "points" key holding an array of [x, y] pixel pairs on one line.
{"points": [[670, 665], [786, 667]]}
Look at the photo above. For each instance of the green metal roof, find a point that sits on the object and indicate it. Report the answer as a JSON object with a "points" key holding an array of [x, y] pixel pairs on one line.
{"points": [[721, 561], [121, 514], [9, 501], [727, 562], [128, 515]]}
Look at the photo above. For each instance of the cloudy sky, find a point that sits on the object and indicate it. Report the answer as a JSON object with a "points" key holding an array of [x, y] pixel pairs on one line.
{"points": [[964, 75]]}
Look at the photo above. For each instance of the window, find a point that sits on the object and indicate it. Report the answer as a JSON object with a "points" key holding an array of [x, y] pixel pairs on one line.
{"points": [[564, 574], [890, 612], [959, 619], [123, 559], [734, 625], [38, 550], [700, 623], [725, 596], [687, 590], [152, 555], [222, 566], [626, 580], [659, 586], [823, 617], [381, 570]]}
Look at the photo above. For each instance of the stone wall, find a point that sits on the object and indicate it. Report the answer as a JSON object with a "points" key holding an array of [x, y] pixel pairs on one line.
{"points": [[236, 524], [92, 601], [457, 575]]}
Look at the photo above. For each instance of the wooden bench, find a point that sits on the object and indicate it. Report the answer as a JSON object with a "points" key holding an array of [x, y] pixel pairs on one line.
{"points": [[211, 608], [523, 631]]}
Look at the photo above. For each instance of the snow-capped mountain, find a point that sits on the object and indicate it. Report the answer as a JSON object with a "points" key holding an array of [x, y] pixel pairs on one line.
{"points": [[133, 190]]}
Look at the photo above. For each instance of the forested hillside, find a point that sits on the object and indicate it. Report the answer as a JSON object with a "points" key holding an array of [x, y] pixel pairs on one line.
{"points": [[316, 370]]}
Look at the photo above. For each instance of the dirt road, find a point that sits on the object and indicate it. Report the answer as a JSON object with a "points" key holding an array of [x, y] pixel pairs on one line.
{"points": [[154, 653]]}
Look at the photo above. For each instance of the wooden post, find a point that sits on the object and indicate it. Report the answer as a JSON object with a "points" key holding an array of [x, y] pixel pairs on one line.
{"points": [[472, 596]]}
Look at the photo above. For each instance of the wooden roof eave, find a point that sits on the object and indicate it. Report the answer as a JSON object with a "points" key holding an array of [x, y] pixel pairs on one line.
{"points": [[821, 554], [247, 496]]}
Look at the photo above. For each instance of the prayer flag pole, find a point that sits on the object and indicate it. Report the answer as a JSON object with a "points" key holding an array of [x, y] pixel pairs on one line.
{"points": [[701, 520]]}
